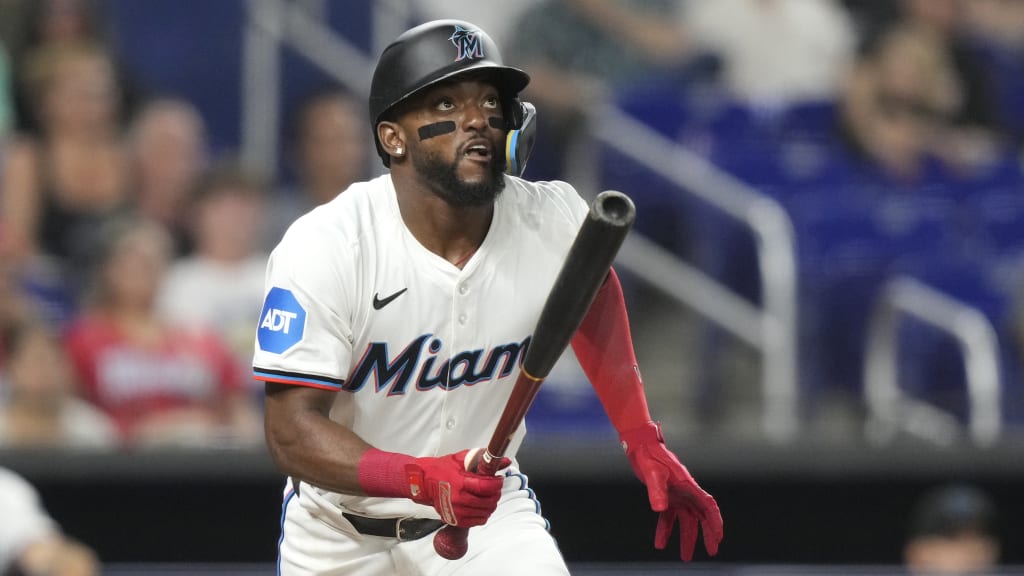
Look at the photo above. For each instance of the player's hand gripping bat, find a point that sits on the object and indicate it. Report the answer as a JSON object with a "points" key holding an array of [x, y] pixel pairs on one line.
{"points": [[586, 266]]}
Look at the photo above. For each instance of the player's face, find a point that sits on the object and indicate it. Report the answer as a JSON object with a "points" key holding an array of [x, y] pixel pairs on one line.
{"points": [[463, 166]]}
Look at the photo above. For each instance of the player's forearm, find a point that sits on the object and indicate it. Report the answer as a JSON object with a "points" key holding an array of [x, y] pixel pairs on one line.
{"points": [[306, 445], [604, 348]]}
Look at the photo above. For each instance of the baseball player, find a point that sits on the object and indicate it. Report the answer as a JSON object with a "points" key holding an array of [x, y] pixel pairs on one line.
{"points": [[394, 322]]}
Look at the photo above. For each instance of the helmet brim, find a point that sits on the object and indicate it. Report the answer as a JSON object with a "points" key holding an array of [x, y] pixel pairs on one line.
{"points": [[509, 81]]}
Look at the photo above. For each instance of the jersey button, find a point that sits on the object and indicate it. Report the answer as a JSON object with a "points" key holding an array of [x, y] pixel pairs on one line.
{"points": [[450, 424], [463, 289], [462, 318]]}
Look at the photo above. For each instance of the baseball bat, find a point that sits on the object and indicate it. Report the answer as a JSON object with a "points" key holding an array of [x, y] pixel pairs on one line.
{"points": [[585, 268]]}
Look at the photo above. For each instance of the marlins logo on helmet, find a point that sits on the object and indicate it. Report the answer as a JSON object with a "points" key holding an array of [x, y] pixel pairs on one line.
{"points": [[468, 44]]}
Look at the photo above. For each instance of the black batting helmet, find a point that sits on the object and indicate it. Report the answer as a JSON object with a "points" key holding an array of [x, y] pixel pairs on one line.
{"points": [[436, 51]]}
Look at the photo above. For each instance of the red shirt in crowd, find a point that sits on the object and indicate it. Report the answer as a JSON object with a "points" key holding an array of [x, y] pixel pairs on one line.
{"points": [[133, 382]]}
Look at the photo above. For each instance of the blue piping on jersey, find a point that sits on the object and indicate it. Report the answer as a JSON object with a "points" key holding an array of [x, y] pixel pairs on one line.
{"points": [[284, 510], [533, 496]]}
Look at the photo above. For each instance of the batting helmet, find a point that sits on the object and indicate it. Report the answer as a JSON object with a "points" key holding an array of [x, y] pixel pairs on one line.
{"points": [[437, 51]]}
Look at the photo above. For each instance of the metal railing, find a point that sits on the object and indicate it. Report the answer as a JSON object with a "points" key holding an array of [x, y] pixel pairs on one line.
{"points": [[770, 329], [890, 408], [272, 24]]}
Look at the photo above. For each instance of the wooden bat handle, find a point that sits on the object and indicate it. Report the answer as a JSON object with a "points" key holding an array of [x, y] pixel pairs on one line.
{"points": [[452, 542]]}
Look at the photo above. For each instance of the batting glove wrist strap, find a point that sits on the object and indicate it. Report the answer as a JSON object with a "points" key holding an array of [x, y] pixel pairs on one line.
{"points": [[460, 497], [649, 433], [383, 473]]}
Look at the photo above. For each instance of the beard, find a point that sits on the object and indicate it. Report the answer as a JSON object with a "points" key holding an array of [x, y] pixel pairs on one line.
{"points": [[443, 179]]}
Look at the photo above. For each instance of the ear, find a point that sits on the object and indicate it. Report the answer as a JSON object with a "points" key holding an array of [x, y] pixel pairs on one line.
{"points": [[392, 138]]}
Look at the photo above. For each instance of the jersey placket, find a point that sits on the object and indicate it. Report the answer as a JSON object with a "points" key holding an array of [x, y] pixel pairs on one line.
{"points": [[462, 330]]}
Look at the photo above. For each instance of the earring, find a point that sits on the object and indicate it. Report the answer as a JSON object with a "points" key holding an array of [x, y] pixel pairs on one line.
{"points": [[398, 150]]}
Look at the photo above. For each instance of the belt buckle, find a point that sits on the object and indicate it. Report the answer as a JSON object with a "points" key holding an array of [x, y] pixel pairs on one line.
{"points": [[399, 530]]}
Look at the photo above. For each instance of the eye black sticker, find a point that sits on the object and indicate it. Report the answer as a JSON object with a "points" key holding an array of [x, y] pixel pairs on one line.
{"points": [[436, 129]]}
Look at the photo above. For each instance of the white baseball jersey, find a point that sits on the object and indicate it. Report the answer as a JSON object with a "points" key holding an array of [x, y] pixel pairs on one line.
{"points": [[423, 355]]}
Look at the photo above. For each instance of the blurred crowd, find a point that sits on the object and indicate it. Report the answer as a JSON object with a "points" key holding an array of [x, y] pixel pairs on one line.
{"points": [[132, 256], [891, 132], [913, 80]]}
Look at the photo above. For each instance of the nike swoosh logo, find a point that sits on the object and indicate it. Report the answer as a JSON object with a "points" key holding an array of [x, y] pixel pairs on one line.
{"points": [[379, 302]]}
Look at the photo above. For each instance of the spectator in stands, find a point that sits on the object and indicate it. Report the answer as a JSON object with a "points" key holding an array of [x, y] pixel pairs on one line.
{"points": [[161, 382], [330, 150], [970, 132], [31, 542], [328, 147], [61, 186], [996, 31], [168, 154], [497, 18], [897, 98], [953, 531], [38, 407], [577, 51], [19, 299], [35, 26], [14, 306], [1003, 20], [33, 285], [775, 53], [220, 286]]}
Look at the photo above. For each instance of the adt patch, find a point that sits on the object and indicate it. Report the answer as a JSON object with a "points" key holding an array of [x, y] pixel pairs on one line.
{"points": [[282, 321]]}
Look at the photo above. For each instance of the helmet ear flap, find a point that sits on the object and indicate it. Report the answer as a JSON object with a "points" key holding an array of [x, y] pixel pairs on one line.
{"points": [[516, 113], [519, 141]]}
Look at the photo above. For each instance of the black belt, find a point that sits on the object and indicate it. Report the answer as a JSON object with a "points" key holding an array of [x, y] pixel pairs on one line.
{"points": [[400, 528]]}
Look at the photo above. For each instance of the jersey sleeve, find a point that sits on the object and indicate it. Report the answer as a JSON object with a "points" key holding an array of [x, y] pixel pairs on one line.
{"points": [[304, 335], [566, 200]]}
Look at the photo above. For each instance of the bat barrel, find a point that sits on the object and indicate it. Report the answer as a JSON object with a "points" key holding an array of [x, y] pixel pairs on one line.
{"points": [[615, 208], [611, 217]]}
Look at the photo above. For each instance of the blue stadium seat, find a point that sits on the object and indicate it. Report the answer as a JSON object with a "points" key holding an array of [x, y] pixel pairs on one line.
{"points": [[841, 261], [662, 210], [776, 150], [855, 227], [931, 364], [994, 214], [660, 104]]}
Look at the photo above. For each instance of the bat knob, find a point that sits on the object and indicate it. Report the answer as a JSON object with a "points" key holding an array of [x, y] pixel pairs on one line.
{"points": [[451, 542]]}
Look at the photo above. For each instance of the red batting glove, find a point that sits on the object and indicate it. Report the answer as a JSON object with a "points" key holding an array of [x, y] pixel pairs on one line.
{"points": [[672, 491], [462, 498]]}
